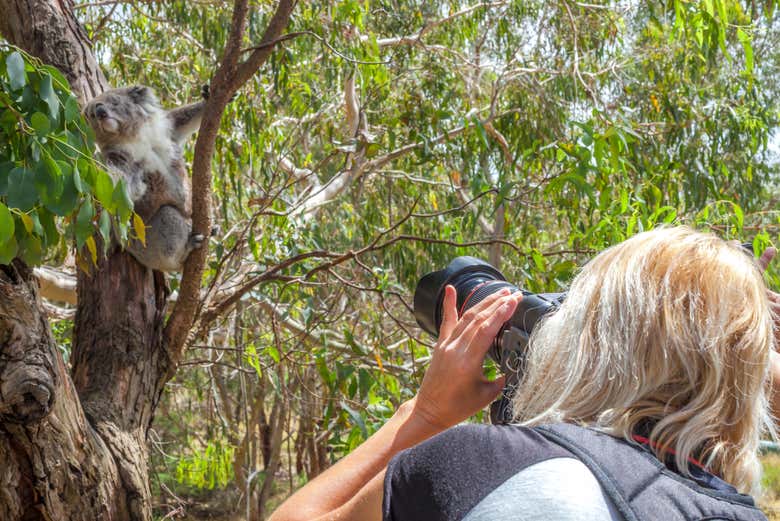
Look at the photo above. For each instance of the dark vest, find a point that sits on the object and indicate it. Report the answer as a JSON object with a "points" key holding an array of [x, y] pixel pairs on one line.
{"points": [[641, 487]]}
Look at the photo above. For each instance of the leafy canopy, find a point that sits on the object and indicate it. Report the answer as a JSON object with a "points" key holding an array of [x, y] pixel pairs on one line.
{"points": [[51, 188]]}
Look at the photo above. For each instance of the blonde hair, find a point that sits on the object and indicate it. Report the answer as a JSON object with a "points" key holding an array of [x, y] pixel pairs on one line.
{"points": [[670, 328]]}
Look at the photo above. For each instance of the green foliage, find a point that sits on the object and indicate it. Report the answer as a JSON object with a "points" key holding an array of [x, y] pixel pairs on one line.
{"points": [[560, 127], [770, 479], [51, 189], [63, 336], [213, 467]]}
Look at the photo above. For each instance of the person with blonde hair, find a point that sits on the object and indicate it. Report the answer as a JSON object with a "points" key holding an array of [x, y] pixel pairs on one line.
{"points": [[642, 397]]}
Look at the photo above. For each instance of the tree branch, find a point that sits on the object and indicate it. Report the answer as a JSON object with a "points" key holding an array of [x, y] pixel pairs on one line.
{"points": [[229, 77], [56, 284], [336, 185], [415, 38], [278, 23]]}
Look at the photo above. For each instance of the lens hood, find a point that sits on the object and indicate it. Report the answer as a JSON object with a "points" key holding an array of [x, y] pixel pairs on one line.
{"points": [[429, 294]]}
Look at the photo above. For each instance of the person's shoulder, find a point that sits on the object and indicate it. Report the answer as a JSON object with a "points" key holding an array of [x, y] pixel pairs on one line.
{"points": [[445, 476], [502, 442]]}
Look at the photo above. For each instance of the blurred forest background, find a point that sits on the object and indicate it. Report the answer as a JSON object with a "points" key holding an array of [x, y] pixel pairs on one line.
{"points": [[385, 137]]}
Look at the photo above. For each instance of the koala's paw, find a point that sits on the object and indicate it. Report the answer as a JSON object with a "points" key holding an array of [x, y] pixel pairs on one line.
{"points": [[205, 92], [196, 240]]}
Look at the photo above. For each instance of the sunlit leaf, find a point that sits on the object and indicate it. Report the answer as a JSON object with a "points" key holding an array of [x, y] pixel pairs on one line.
{"points": [[6, 224], [92, 247], [139, 228]]}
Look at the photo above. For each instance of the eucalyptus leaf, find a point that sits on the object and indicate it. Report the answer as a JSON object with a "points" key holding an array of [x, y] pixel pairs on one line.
{"points": [[40, 123], [46, 91], [6, 224], [22, 193], [84, 227], [8, 250], [17, 76]]}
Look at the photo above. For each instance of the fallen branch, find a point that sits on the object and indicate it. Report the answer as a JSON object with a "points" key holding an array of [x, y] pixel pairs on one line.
{"points": [[56, 285]]}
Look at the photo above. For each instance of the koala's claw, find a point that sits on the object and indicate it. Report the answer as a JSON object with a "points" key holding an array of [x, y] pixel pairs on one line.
{"points": [[205, 92], [196, 240]]}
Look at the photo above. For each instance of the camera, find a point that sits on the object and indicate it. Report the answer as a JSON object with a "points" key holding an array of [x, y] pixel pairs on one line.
{"points": [[474, 280]]}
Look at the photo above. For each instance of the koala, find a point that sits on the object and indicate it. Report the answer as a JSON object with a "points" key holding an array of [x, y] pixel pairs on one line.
{"points": [[142, 143]]}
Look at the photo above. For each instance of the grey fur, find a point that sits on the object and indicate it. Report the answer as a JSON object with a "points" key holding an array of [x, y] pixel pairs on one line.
{"points": [[142, 143], [165, 248]]}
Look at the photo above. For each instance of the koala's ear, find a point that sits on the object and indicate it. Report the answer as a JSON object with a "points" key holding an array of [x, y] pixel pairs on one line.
{"points": [[138, 93]]}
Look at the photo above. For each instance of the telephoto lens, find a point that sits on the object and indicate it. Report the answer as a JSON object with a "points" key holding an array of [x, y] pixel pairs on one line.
{"points": [[474, 280]]}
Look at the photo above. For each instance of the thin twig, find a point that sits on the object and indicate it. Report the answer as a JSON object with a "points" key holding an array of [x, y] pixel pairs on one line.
{"points": [[290, 36]]}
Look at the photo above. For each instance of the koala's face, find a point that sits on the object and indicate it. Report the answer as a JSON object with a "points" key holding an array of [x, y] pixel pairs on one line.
{"points": [[117, 115]]}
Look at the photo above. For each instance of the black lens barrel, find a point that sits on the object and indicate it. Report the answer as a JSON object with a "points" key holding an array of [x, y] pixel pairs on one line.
{"points": [[465, 273], [475, 280]]}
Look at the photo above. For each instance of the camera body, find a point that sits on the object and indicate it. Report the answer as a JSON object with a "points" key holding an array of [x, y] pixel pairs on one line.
{"points": [[474, 280]]}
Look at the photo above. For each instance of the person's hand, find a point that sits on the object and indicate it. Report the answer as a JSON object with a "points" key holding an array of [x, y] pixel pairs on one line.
{"points": [[454, 386]]}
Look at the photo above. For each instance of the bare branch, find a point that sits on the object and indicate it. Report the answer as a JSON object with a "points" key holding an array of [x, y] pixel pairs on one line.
{"points": [[481, 220], [57, 312], [288, 167], [233, 45], [351, 106], [259, 56], [317, 37], [56, 285], [341, 180]]}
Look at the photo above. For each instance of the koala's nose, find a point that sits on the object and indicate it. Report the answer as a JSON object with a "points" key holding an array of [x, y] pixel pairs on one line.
{"points": [[101, 112]]}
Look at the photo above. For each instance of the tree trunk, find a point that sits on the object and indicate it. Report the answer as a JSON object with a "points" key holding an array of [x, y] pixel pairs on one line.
{"points": [[48, 30], [54, 464], [73, 446], [119, 364]]}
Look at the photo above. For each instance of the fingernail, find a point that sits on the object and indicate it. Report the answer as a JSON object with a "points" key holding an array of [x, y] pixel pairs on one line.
{"points": [[504, 291]]}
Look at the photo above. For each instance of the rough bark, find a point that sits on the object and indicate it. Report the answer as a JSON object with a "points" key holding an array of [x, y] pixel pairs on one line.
{"points": [[77, 447], [119, 365], [48, 30], [54, 464]]}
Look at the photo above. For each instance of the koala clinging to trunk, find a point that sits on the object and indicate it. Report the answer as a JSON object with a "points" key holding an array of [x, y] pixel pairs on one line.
{"points": [[142, 143]]}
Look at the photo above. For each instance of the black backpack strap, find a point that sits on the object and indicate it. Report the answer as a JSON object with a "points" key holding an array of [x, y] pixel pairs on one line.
{"points": [[580, 442]]}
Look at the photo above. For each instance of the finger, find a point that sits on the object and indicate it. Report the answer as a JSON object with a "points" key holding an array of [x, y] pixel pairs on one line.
{"points": [[484, 332], [490, 390], [470, 315], [449, 312], [766, 258], [488, 321]]}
